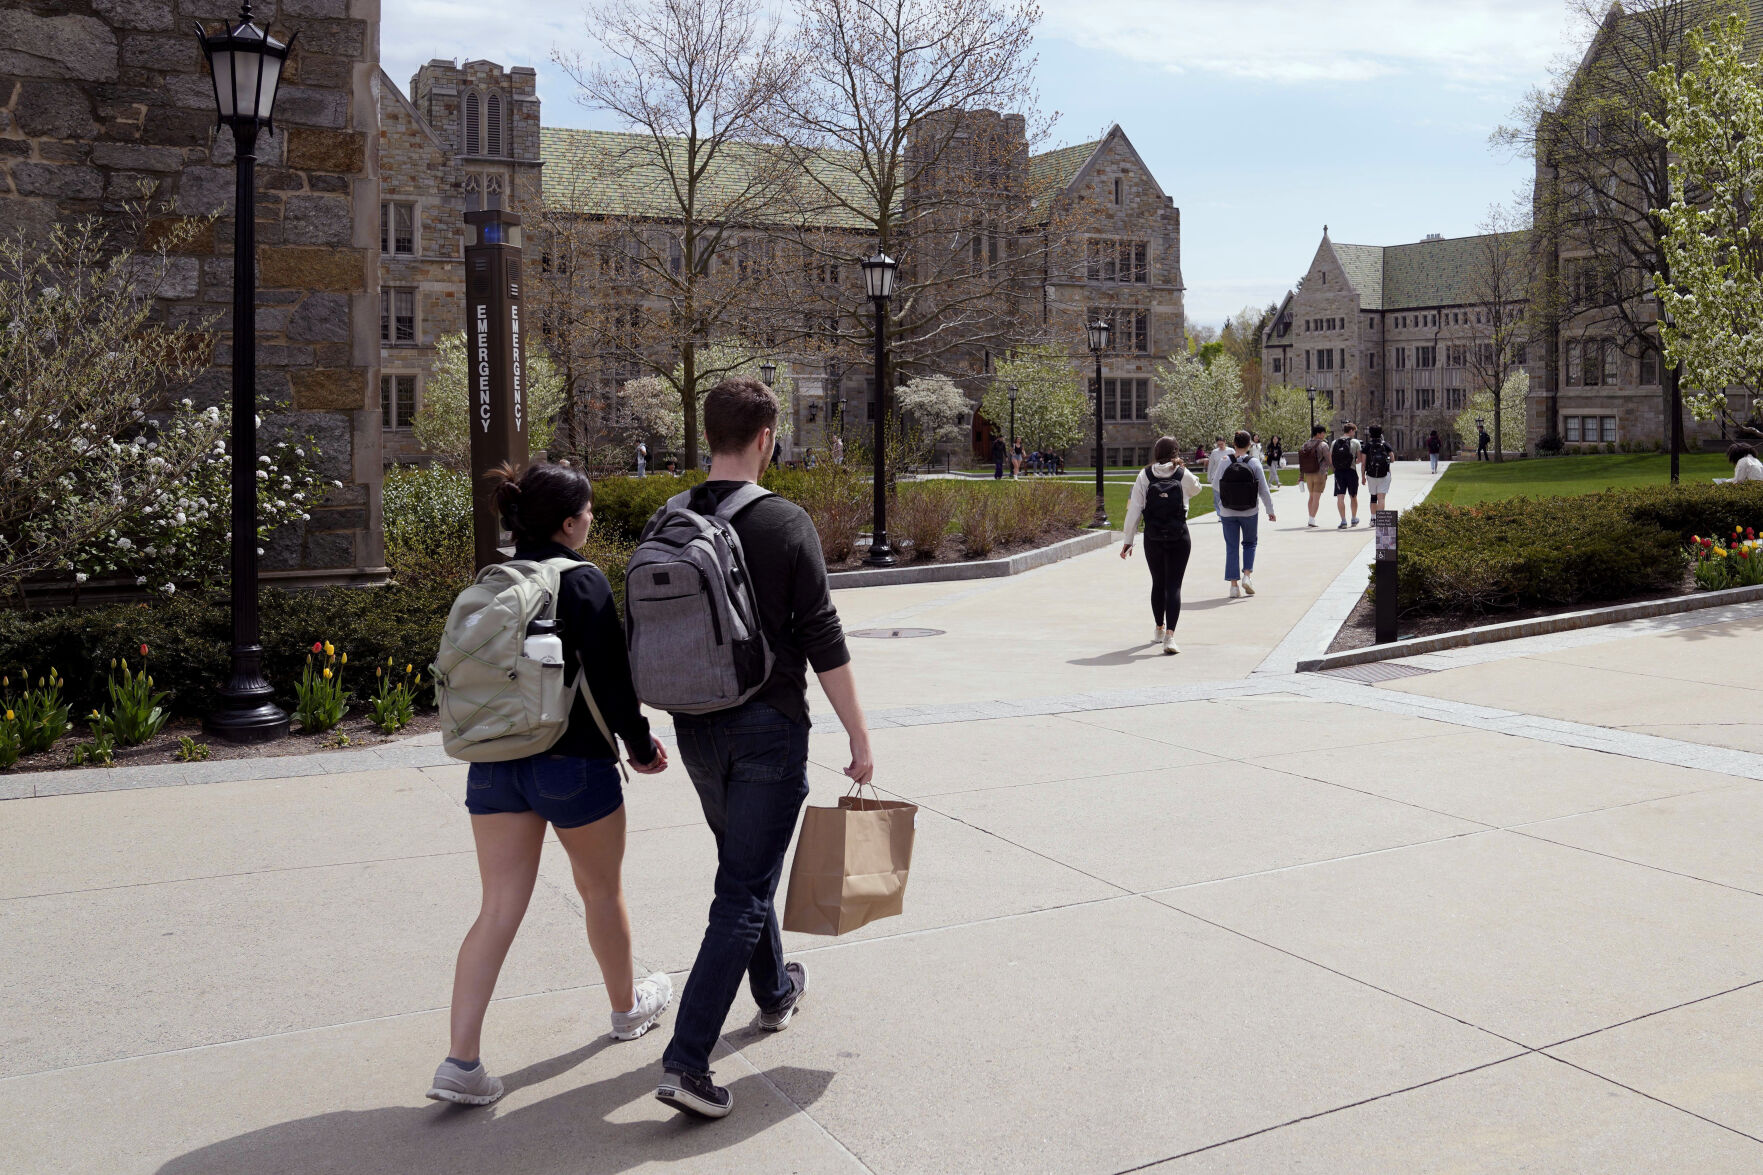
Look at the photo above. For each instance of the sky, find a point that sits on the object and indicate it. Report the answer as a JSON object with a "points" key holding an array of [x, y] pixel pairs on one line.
{"points": [[1264, 119]]}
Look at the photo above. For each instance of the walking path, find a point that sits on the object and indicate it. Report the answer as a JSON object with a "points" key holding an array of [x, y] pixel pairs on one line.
{"points": [[1498, 910]]}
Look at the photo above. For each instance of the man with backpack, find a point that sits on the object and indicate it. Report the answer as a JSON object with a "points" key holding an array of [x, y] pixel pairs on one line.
{"points": [[1240, 487], [1378, 456], [1433, 445], [1312, 467], [727, 607], [1482, 441], [1347, 457]]}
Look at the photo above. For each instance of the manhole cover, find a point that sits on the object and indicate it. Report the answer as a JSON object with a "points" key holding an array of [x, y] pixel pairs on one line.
{"points": [[1375, 672], [891, 633]]}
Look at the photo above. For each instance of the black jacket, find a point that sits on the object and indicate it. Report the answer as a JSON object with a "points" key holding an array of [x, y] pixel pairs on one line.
{"points": [[796, 610], [594, 639]]}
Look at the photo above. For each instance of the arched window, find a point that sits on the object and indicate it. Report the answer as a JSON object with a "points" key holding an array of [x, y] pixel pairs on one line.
{"points": [[473, 122], [493, 125]]}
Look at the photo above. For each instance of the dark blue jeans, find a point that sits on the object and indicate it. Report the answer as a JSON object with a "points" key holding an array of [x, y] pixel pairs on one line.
{"points": [[750, 766]]}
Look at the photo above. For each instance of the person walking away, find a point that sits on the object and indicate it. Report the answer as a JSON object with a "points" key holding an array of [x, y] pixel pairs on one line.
{"points": [[997, 458], [1745, 466], [642, 459], [1347, 457], [1433, 445], [1378, 457], [1241, 485], [571, 787], [1216, 461], [749, 762], [1160, 494], [1313, 468], [1481, 445]]}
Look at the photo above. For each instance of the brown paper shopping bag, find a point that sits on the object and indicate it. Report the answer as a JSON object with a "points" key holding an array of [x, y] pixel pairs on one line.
{"points": [[851, 864]]}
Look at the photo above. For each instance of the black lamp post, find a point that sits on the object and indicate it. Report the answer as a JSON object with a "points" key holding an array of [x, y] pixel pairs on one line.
{"points": [[1012, 432], [1674, 378], [247, 65], [878, 282], [1101, 333], [1311, 392]]}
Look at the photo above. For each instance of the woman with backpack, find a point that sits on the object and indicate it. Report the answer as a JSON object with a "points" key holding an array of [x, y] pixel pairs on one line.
{"points": [[572, 786], [1241, 489], [1433, 445], [1160, 495], [1378, 456]]}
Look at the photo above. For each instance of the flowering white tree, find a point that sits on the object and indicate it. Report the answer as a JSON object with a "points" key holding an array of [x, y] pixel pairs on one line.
{"points": [[1284, 412], [651, 409], [1052, 411], [1712, 306], [929, 408], [1198, 402], [83, 367], [1512, 414], [443, 424]]}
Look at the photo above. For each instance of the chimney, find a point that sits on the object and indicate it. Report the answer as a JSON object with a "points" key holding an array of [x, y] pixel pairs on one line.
{"points": [[1433, 237]]}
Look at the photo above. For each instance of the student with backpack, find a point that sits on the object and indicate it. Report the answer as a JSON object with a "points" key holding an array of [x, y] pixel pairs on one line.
{"points": [[1312, 456], [727, 608], [1347, 457], [1241, 484], [1433, 445], [542, 754], [1160, 495], [1377, 456]]}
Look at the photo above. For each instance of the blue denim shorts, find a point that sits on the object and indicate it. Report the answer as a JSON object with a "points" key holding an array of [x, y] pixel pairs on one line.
{"points": [[566, 790]]}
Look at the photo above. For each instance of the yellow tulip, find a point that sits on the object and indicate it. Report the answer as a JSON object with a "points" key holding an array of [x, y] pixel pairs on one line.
{"points": [[327, 672], [407, 669], [345, 658], [329, 649], [9, 715]]}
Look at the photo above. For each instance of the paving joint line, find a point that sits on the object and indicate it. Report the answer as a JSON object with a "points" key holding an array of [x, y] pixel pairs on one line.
{"points": [[1701, 999], [1650, 1097]]}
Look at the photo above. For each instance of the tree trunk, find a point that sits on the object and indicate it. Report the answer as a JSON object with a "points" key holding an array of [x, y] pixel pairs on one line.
{"points": [[689, 403]]}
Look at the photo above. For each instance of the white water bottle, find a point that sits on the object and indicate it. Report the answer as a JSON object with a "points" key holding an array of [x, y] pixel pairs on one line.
{"points": [[542, 643]]}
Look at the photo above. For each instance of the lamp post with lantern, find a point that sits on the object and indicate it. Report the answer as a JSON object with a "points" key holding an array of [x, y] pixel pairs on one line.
{"points": [[1311, 393], [878, 282], [246, 64], [1013, 431], [1101, 333]]}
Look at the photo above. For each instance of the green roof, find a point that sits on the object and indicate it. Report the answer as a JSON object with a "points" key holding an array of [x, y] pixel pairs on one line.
{"points": [[1426, 273], [614, 173]]}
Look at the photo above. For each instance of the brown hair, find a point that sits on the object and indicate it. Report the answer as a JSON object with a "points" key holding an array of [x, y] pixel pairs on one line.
{"points": [[736, 411], [1242, 439], [1163, 452], [1739, 452], [536, 501]]}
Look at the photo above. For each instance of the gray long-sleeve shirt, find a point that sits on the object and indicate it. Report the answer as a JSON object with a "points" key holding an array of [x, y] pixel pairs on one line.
{"points": [[1260, 488]]}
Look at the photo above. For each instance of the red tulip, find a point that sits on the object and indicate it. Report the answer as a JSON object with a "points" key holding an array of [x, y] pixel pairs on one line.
{"points": [[318, 646], [143, 650]]}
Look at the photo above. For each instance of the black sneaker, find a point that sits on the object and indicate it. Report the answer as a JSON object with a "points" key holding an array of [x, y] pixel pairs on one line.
{"points": [[778, 1019], [697, 1096]]}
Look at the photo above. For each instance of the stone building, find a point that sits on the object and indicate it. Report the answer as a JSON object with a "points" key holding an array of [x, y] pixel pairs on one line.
{"points": [[1397, 335], [97, 96], [467, 138]]}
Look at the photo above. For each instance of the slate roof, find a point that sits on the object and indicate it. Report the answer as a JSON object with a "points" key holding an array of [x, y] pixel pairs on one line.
{"points": [[1426, 273], [612, 173]]}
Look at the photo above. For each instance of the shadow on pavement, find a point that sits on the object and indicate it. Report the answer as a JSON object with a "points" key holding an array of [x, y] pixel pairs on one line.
{"points": [[570, 1132], [1144, 652]]}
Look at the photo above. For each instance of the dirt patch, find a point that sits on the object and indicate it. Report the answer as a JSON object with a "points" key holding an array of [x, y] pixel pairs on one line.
{"points": [[162, 748], [953, 550], [1360, 629]]}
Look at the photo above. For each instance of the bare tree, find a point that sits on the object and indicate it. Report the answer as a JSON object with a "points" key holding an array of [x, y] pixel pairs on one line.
{"points": [[1601, 174], [685, 249], [898, 134], [1499, 290]]}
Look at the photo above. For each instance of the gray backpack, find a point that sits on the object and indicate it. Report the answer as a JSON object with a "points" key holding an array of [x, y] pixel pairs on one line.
{"points": [[696, 645]]}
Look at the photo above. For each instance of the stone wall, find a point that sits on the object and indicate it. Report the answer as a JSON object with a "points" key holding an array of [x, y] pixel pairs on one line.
{"points": [[97, 96]]}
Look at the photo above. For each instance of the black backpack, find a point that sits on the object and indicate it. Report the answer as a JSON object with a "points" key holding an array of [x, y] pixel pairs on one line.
{"points": [[1236, 485], [1166, 508], [1343, 454], [1377, 459]]}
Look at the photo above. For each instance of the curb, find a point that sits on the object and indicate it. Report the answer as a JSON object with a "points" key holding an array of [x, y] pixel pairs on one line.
{"points": [[1093, 540], [1539, 626]]}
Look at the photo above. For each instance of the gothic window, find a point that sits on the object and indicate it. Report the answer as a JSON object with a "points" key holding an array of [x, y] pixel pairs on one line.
{"points": [[1649, 367], [493, 125], [484, 189], [473, 125]]}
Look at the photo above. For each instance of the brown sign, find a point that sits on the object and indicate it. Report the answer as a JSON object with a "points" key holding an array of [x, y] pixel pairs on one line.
{"points": [[496, 362]]}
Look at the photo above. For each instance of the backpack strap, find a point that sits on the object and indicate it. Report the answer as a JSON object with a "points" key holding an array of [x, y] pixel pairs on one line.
{"points": [[740, 500], [564, 566]]}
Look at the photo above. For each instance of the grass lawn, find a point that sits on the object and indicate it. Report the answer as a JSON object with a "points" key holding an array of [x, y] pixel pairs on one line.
{"points": [[1466, 483]]}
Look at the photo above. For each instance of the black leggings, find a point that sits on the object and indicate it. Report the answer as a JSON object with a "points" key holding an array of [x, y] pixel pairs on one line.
{"points": [[1168, 561]]}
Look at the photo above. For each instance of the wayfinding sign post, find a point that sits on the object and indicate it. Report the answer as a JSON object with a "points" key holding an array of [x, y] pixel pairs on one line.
{"points": [[495, 365]]}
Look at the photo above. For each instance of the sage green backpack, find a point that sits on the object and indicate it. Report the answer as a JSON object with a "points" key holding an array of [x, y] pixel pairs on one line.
{"points": [[495, 702]]}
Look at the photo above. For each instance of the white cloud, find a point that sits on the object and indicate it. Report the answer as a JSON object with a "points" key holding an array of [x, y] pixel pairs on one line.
{"points": [[1492, 42]]}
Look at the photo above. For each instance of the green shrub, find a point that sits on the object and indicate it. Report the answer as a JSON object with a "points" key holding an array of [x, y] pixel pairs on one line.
{"points": [[427, 522], [624, 505], [924, 513]]}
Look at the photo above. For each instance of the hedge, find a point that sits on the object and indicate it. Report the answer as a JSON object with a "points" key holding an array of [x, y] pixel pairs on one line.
{"points": [[1545, 552]]}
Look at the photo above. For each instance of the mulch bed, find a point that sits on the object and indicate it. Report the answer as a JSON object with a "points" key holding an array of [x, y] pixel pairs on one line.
{"points": [[1360, 629], [952, 551], [162, 748]]}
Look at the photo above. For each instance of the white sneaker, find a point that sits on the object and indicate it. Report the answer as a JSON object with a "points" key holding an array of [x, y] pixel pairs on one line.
{"points": [[653, 996], [476, 1086], [1313, 522], [1159, 638], [1235, 591], [1169, 649], [1248, 585]]}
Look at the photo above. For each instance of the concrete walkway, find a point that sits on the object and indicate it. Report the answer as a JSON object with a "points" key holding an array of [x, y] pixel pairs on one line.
{"points": [[1500, 912]]}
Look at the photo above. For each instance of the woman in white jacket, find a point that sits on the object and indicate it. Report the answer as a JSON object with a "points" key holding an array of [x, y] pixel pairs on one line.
{"points": [[1161, 495]]}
